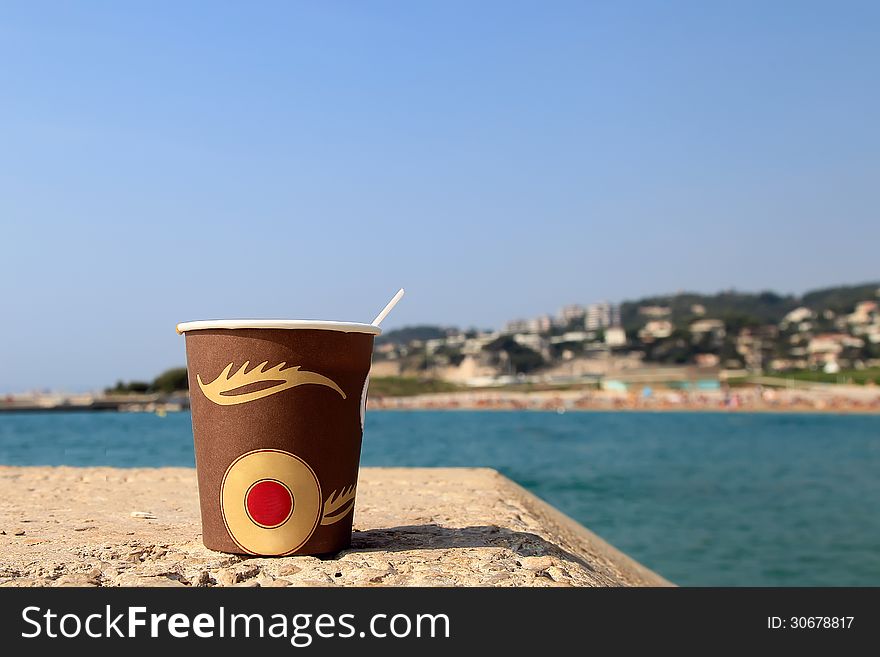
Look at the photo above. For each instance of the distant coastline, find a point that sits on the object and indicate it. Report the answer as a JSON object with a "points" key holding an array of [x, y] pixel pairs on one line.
{"points": [[89, 403], [821, 399], [803, 398]]}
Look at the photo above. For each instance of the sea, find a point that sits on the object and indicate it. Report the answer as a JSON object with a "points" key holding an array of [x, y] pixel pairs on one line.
{"points": [[704, 499]]}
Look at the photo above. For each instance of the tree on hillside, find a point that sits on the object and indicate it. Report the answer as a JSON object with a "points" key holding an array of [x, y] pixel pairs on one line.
{"points": [[521, 359], [407, 334], [172, 380], [841, 299], [132, 387]]}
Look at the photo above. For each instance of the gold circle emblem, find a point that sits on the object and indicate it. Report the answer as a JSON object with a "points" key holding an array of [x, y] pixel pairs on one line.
{"points": [[259, 515]]}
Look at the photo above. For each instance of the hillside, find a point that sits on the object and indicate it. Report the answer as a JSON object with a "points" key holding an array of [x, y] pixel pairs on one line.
{"points": [[840, 299], [746, 308], [760, 308], [736, 308], [407, 334]]}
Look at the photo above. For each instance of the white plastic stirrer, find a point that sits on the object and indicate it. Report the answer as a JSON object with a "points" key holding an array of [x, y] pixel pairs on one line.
{"points": [[387, 309]]}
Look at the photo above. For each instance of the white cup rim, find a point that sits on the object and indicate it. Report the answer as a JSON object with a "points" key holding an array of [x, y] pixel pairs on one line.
{"points": [[302, 324]]}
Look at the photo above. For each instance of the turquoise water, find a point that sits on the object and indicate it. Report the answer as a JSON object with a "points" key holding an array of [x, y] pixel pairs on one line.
{"points": [[702, 498]]}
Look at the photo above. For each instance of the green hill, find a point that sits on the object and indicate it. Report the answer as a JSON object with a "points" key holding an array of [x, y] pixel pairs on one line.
{"points": [[840, 299], [407, 334], [743, 308]]}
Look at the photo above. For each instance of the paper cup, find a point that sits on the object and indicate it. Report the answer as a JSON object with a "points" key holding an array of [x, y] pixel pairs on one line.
{"points": [[277, 413]]}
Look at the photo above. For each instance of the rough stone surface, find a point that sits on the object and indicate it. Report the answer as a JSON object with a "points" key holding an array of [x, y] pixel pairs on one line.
{"points": [[413, 527]]}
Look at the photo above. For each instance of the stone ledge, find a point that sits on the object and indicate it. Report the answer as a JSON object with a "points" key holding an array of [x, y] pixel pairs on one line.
{"points": [[413, 527]]}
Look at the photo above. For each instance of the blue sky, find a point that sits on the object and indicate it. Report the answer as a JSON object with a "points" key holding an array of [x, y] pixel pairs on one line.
{"points": [[164, 161]]}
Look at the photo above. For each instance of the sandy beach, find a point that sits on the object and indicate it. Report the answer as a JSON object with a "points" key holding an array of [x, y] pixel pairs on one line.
{"points": [[836, 399]]}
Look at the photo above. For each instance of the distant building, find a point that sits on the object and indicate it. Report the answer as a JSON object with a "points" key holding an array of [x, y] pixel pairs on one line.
{"points": [[572, 313], [755, 345], [473, 346], [698, 309], [824, 350], [865, 313], [517, 326], [797, 316], [615, 336], [712, 327], [572, 336], [656, 329], [706, 325], [833, 343], [655, 311], [601, 315], [541, 324]]}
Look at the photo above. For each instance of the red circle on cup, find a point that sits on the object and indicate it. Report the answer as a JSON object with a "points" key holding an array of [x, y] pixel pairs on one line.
{"points": [[269, 503]]}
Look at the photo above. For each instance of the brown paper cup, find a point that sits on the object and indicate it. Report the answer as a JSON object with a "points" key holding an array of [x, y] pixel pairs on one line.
{"points": [[277, 413]]}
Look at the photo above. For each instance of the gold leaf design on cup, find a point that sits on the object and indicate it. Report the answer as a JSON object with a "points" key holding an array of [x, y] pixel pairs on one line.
{"points": [[222, 389], [338, 504]]}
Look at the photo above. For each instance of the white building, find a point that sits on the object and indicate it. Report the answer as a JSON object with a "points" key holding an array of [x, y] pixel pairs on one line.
{"points": [[798, 315], [656, 329], [615, 336], [572, 336], [601, 315], [540, 324], [864, 313], [833, 343]]}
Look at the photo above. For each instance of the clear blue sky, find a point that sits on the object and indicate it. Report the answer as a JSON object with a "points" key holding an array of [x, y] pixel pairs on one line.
{"points": [[166, 161]]}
